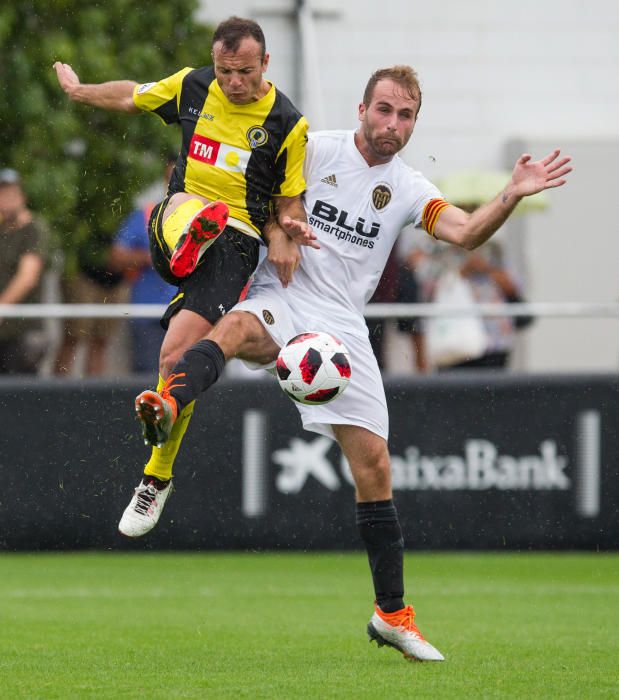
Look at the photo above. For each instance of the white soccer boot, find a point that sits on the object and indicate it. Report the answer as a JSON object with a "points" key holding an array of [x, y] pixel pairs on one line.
{"points": [[398, 630], [142, 513]]}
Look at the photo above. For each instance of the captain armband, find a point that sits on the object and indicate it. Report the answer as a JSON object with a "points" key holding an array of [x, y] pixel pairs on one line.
{"points": [[431, 212]]}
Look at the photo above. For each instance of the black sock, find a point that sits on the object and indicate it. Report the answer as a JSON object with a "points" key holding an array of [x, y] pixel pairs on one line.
{"points": [[201, 364], [380, 529]]}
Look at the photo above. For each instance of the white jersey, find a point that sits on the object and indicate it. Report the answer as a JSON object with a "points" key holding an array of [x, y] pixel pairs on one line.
{"points": [[357, 212]]}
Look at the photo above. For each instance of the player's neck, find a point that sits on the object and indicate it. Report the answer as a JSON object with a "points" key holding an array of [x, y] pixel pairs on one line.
{"points": [[262, 91]]}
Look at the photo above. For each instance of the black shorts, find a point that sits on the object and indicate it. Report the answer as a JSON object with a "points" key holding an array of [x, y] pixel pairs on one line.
{"points": [[215, 286]]}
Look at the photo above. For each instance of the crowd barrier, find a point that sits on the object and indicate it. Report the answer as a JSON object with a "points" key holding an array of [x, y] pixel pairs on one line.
{"points": [[479, 461], [536, 309]]}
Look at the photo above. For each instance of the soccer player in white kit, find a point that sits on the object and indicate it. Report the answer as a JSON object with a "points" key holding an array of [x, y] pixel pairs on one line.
{"points": [[359, 196]]}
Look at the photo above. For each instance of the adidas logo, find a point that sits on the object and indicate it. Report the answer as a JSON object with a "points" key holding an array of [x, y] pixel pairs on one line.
{"points": [[330, 180]]}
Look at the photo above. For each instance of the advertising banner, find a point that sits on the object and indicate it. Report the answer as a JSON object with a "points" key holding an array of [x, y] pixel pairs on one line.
{"points": [[483, 461]]}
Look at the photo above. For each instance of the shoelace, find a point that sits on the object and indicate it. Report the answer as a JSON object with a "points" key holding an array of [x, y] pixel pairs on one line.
{"points": [[408, 621], [169, 385], [145, 494], [405, 620]]}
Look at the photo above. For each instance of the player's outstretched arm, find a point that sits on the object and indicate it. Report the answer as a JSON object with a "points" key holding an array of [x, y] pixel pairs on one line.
{"points": [[116, 95], [293, 220], [528, 177], [283, 252]]}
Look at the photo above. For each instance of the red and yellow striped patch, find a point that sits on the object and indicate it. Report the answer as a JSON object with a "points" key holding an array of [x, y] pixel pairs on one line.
{"points": [[431, 212]]}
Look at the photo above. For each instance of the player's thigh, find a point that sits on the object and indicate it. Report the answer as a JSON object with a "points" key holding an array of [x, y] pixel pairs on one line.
{"points": [[368, 458], [240, 334], [272, 324], [359, 444]]}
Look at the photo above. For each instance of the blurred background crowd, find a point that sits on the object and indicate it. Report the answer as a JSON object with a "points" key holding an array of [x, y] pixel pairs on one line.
{"points": [[119, 270], [77, 184]]}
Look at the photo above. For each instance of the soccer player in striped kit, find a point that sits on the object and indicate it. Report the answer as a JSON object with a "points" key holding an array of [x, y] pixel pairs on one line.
{"points": [[242, 151]]}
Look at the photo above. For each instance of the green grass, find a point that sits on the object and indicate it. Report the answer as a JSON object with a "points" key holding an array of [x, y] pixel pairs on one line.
{"points": [[293, 626]]}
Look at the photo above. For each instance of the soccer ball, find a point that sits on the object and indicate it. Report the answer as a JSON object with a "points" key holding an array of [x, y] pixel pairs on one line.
{"points": [[313, 368]]}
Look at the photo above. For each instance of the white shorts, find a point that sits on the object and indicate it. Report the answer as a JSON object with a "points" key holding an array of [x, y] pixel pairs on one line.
{"points": [[363, 403]]}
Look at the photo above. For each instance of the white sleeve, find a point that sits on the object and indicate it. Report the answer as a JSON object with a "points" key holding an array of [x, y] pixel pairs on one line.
{"points": [[422, 191]]}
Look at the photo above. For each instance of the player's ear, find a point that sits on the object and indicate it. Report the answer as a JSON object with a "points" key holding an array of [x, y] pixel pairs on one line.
{"points": [[265, 62], [361, 111]]}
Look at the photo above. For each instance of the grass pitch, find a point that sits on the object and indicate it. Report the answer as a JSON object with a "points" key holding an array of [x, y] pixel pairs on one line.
{"points": [[293, 626]]}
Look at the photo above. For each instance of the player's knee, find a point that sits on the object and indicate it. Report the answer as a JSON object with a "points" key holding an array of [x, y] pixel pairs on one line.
{"points": [[233, 330], [375, 464], [381, 467], [178, 199], [376, 454]]}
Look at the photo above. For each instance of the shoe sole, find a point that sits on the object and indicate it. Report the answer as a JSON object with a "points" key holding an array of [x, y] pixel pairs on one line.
{"points": [[203, 231], [151, 413], [129, 537], [375, 636]]}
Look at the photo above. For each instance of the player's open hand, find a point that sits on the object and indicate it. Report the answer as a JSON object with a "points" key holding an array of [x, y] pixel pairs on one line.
{"points": [[300, 232], [67, 77], [530, 177]]}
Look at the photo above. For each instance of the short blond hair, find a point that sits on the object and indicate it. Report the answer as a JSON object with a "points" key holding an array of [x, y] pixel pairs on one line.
{"points": [[402, 75]]}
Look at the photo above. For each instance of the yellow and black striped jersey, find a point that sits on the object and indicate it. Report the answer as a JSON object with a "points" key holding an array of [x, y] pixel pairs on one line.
{"points": [[241, 154]]}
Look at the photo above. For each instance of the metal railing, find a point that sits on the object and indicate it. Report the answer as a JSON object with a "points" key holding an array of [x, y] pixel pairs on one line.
{"points": [[536, 309]]}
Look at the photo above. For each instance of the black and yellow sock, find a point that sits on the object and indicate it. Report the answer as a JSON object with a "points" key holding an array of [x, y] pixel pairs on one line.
{"points": [[162, 458]]}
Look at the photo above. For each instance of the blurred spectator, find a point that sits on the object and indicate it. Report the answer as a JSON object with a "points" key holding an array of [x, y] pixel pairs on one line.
{"points": [[130, 255], [398, 284], [386, 293], [491, 280], [25, 241], [409, 293], [94, 283]]}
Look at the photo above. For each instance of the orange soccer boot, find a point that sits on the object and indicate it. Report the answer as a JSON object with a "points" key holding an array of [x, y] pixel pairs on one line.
{"points": [[157, 412], [398, 630]]}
